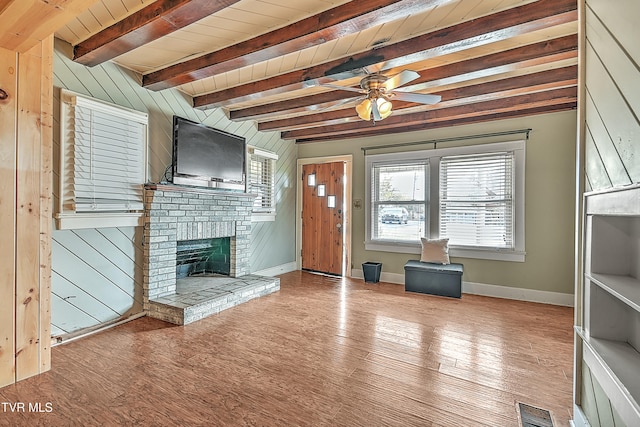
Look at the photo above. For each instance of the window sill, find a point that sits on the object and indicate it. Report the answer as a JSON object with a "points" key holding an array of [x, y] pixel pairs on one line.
{"points": [[475, 253], [263, 217], [388, 246], [71, 221], [490, 254]]}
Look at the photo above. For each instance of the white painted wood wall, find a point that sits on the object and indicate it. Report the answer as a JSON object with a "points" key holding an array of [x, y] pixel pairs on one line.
{"points": [[612, 100], [97, 273]]}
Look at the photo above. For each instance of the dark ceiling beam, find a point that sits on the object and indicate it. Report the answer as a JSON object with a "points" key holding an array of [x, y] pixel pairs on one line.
{"points": [[491, 28], [329, 25], [489, 117], [520, 57], [544, 80], [538, 99], [160, 18]]}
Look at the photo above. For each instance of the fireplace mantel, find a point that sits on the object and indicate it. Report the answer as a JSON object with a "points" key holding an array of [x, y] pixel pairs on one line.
{"points": [[197, 190]]}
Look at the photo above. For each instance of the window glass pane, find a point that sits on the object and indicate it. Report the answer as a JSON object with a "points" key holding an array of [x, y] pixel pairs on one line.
{"points": [[476, 203], [399, 222], [311, 180], [399, 202], [400, 182]]}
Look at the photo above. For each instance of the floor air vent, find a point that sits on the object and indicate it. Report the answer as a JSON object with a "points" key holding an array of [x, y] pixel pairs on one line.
{"points": [[530, 416]]}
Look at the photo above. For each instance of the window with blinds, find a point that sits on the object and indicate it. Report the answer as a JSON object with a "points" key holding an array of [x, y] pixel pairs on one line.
{"points": [[399, 201], [472, 194], [261, 182], [103, 163], [476, 200]]}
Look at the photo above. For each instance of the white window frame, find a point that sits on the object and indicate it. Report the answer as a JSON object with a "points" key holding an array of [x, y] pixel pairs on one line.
{"points": [[517, 254], [426, 202], [69, 215], [262, 213]]}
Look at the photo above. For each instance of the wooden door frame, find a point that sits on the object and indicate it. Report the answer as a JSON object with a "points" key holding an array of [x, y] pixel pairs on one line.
{"points": [[348, 160]]}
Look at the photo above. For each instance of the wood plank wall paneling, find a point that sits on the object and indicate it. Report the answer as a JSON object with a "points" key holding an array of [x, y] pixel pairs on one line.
{"points": [[595, 403], [264, 235], [8, 109], [46, 200], [612, 135], [28, 214], [25, 152], [97, 273], [612, 104]]}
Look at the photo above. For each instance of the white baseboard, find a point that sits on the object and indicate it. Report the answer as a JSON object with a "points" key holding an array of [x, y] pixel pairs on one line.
{"points": [[497, 291], [531, 295], [67, 338], [278, 269]]}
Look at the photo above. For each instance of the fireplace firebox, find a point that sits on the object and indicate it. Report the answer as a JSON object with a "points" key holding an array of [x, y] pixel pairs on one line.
{"points": [[203, 256]]}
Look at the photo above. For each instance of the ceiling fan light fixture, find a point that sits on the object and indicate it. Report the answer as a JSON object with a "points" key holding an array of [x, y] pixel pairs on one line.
{"points": [[364, 109], [384, 107]]}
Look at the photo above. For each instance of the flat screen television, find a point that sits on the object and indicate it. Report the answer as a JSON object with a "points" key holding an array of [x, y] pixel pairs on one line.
{"points": [[207, 157]]}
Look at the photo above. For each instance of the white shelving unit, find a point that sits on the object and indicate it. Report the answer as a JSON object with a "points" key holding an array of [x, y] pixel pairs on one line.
{"points": [[611, 324]]}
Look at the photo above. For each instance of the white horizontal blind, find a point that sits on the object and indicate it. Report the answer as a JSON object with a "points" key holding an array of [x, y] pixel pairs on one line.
{"points": [[262, 170], [476, 200], [107, 145]]}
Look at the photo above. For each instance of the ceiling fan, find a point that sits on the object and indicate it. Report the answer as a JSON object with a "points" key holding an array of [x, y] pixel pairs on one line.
{"points": [[378, 91]]}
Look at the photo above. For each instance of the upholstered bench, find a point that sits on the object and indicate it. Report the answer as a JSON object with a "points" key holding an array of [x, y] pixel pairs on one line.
{"points": [[436, 279]]}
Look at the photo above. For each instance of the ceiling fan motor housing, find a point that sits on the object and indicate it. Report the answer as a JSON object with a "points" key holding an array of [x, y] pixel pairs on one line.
{"points": [[374, 85], [373, 81]]}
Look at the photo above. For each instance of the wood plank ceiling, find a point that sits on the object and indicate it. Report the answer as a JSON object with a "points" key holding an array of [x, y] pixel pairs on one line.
{"points": [[270, 60]]}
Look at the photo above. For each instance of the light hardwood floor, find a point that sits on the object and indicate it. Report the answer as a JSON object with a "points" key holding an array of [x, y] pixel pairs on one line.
{"points": [[321, 352]]}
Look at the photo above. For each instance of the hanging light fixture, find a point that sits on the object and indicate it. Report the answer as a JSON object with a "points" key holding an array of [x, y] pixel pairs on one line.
{"points": [[376, 106], [384, 107], [365, 109], [378, 90]]}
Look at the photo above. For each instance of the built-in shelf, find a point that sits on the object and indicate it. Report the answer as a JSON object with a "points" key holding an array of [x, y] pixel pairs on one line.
{"points": [[625, 288], [618, 201], [610, 328], [615, 364]]}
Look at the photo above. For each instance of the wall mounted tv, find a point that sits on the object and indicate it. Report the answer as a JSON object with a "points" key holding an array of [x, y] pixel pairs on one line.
{"points": [[207, 157]]}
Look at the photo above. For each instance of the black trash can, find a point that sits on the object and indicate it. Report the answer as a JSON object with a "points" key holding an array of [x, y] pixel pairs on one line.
{"points": [[371, 271]]}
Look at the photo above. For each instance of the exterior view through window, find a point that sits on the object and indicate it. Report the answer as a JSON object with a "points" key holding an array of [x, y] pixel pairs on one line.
{"points": [[399, 201]]}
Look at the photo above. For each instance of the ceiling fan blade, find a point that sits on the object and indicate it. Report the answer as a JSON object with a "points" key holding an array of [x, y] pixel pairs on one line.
{"points": [[345, 101], [400, 79], [321, 108], [345, 75], [347, 88], [353, 66], [374, 110], [420, 98], [374, 68]]}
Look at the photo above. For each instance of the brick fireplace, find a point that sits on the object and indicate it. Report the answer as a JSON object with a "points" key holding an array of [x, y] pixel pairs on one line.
{"points": [[175, 213]]}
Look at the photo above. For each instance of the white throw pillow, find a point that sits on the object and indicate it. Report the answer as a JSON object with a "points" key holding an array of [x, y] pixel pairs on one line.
{"points": [[435, 251]]}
